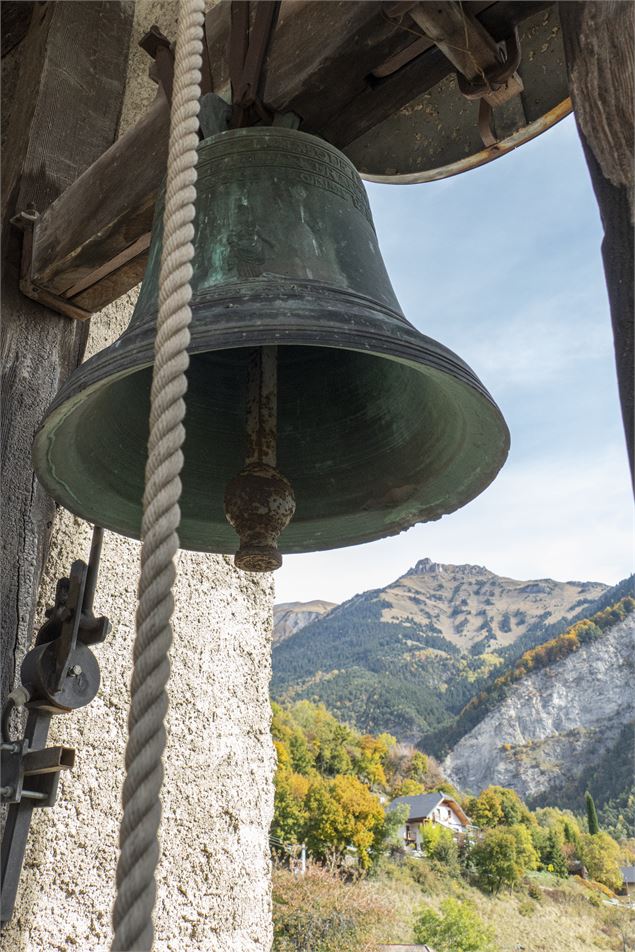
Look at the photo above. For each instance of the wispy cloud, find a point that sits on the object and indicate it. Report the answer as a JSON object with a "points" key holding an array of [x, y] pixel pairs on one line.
{"points": [[564, 519], [503, 265], [542, 341]]}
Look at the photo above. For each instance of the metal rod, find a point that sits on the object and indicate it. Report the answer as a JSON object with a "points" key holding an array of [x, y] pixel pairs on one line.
{"points": [[262, 406], [93, 568], [16, 829]]}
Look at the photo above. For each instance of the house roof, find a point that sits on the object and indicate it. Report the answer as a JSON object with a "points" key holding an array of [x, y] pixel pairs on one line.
{"points": [[628, 872], [421, 805]]}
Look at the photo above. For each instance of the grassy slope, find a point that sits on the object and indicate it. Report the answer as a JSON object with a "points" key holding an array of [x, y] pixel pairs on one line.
{"points": [[563, 920]]}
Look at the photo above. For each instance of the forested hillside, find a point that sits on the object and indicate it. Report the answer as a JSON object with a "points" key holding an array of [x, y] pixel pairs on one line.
{"points": [[408, 658]]}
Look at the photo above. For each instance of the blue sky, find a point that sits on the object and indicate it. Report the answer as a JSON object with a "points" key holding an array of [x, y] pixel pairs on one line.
{"points": [[502, 264]]}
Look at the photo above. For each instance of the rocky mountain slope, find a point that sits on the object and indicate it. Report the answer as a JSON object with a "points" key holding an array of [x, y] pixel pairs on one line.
{"points": [[289, 617], [471, 606], [407, 658], [556, 724]]}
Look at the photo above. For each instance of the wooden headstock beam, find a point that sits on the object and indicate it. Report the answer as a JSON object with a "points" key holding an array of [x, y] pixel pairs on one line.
{"points": [[90, 246]]}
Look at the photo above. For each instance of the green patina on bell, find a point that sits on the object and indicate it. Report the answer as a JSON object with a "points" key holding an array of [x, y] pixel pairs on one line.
{"points": [[378, 426]]}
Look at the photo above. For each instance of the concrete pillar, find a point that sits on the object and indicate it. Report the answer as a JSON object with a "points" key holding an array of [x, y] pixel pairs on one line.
{"points": [[214, 876]]}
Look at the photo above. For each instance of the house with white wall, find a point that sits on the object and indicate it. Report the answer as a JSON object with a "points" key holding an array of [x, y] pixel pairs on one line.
{"points": [[431, 808]]}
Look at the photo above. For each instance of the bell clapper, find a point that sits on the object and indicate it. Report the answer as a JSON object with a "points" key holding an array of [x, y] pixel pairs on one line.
{"points": [[259, 501]]}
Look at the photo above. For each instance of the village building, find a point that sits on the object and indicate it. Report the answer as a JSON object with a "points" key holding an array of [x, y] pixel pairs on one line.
{"points": [[628, 876], [427, 809]]}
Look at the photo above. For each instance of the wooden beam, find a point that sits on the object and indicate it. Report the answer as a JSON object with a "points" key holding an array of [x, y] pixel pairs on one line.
{"points": [[14, 22], [90, 246], [382, 97], [465, 42], [63, 115], [101, 222], [599, 41]]}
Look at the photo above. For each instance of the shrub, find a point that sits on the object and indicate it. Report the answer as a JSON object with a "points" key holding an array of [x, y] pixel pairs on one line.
{"points": [[601, 856], [595, 887], [458, 928], [439, 843], [534, 892], [526, 907], [321, 912], [420, 872]]}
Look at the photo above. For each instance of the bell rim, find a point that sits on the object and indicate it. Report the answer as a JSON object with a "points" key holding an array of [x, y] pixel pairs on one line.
{"points": [[245, 334], [410, 347]]}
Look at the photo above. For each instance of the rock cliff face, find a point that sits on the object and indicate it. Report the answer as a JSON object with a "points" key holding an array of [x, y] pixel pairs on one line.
{"points": [[289, 617], [555, 723]]}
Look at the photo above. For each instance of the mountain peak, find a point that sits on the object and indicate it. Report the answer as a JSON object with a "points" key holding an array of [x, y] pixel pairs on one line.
{"points": [[428, 567], [425, 566]]}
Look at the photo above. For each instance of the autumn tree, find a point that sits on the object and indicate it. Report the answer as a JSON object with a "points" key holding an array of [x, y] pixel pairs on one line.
{"points": [[601, 855], [495, 860], [485, 810], [342, 812], [289, 818], [527, 855], [498, 806]]}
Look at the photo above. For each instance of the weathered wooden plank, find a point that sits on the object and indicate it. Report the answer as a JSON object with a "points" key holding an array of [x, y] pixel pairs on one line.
{"points": [[14, 22], [126, 273], [385, 96], [107, 210], [599, 40], [319, 67], [72, 75], [321, 53], [17, 123]]}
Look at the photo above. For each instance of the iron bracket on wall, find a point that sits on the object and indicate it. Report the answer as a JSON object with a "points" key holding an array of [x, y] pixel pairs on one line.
{"points": [[59, 674]]}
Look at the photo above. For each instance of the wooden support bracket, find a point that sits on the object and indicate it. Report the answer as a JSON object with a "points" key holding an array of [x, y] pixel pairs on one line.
{"points": [[27, 222], [90, 246], [466, 43]]}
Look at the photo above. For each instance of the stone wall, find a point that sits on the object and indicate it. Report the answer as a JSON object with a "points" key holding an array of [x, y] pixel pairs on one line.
{"points": [[214, 876]]}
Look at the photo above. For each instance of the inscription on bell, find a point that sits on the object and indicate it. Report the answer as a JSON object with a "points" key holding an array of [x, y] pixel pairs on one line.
{"points": [[318, 165]]}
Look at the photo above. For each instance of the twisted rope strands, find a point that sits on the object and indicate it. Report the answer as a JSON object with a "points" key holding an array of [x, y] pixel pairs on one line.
{"points": [[136, 886]]}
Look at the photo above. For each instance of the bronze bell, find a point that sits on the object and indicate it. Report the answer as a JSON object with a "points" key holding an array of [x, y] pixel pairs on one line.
{"points": [[376, 428]]}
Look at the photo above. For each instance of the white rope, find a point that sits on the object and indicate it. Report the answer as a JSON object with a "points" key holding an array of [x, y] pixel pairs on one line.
{"points": [[138, 838]]}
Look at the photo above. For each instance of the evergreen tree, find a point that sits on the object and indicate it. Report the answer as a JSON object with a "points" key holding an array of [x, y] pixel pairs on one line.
{"points": [[592, 816], [554, 859]]}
